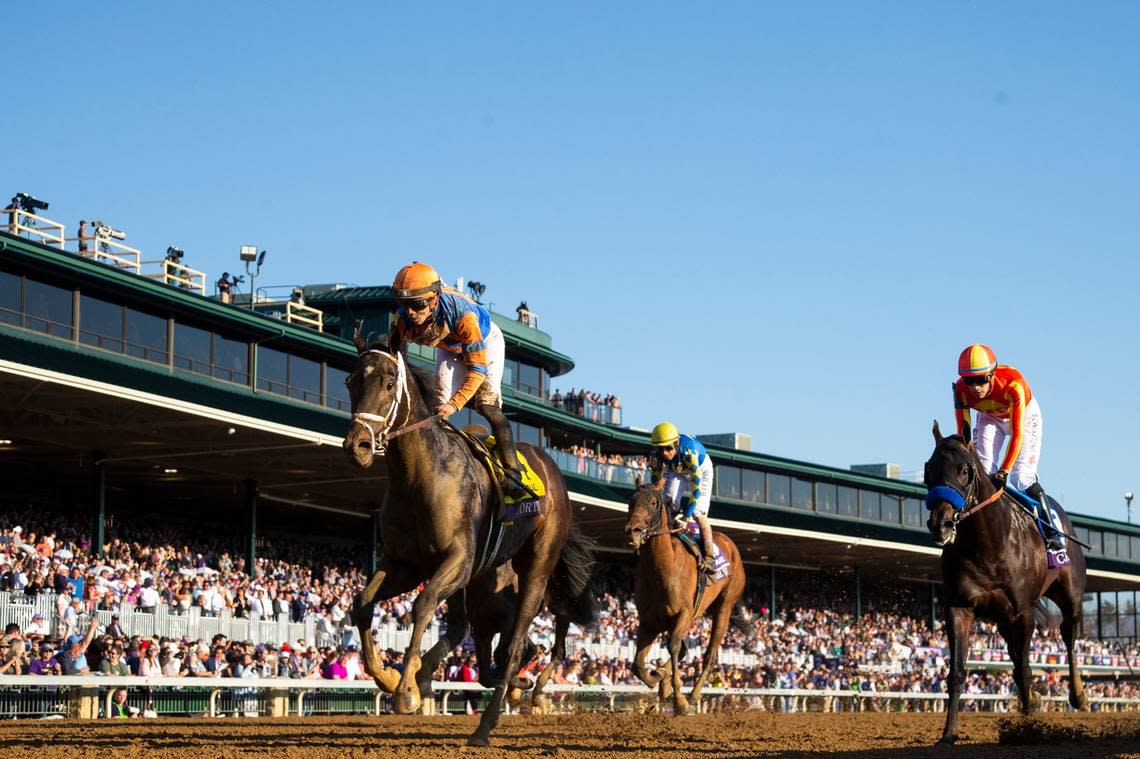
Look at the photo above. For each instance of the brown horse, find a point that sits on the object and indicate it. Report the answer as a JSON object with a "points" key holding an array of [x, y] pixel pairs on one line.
{"points": [[994, 568], [435, 510], [665, 590]]}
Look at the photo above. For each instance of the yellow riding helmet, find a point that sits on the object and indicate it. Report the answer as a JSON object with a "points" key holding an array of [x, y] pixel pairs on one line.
{"points": [[976, 360], [664, 435], [416, 280]]}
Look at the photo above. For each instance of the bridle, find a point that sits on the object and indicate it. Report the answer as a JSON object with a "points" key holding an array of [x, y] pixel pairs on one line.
{"points": [[965, 504], [381, 434], [655, 518]]}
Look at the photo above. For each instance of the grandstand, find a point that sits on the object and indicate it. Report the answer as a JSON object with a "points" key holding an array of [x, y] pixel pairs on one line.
{"points": [[127, 398]]}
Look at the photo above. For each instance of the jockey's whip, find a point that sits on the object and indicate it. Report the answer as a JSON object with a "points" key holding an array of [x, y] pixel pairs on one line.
{"points": [[1051, 526]]}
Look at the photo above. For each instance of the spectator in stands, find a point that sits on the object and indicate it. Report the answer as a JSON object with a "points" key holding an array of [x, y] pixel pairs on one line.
{"points": [[115, 665], [44, 662], [37, 628], [85, 238], [73, 661], [119, 707], [225, 287]]}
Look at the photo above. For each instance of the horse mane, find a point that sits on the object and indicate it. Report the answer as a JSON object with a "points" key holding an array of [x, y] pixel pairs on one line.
{"points": [[426, 382]]}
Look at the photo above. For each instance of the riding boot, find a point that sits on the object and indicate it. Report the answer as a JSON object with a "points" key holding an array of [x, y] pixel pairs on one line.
{"points": [[501, 428], [708, 564], [1053, 541]]}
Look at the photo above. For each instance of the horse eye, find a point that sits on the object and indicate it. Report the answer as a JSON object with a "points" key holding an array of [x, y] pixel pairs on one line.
{"points": [[391, 385]]}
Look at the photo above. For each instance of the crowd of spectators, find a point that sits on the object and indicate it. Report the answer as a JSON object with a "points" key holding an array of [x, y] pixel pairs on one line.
{"points": [[611, 467], [151, 564], [593, 406]]}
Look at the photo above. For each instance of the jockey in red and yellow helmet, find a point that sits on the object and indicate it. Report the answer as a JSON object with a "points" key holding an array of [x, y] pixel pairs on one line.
{"points": [[1006, 410], [470, 353]]}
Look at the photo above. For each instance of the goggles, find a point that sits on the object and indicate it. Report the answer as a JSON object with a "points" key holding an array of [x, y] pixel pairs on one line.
{"points": [[416, 304], [978, 381]]}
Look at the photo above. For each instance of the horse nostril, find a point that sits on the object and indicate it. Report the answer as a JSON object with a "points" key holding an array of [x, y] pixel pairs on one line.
{"points": [[363, 445]]}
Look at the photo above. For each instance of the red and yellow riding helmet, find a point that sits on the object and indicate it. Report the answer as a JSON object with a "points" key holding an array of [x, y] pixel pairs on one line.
{"points": [[976, 361]]}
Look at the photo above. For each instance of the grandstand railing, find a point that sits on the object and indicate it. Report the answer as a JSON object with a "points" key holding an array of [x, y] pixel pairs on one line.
{"points": [[179, 275], [574, 464], [89, 697], [31, 225]]}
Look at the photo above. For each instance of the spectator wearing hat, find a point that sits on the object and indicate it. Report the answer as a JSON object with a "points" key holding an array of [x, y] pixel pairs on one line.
{"points": [[148, 597], [74, 659], [115, 629], [37, 627], [44, 662]]}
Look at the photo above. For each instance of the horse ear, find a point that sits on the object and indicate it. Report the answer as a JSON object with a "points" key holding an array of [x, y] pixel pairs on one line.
{"points": [[937, 433], [967, 436], [358, 338], [637, 481]]}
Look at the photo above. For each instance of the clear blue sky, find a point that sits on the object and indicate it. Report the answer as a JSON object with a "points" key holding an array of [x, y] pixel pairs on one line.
{"points": [[779, 219]]}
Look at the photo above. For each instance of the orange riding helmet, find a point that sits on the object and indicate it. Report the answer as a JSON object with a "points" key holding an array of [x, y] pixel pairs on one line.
{"points": [[416, 280], [976, 361]]}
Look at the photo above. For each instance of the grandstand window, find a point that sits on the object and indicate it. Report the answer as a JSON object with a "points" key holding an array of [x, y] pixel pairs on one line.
{"points": [[530, 379], [1088, 613], [779, 489], [890, 507], [100, 323], [826, 497], [727, 481], [1094, 540], [1107, 615], [848, 502], [752, 485], [48, 309], [869, 506], [191, 349], [231, 360], [336, 394], [524, 433], [510, 372], [146, 336], [1135, 541], [272, 370], [9, 298], [912, 513], [1109, 545], [304, 379], [801, 493]]}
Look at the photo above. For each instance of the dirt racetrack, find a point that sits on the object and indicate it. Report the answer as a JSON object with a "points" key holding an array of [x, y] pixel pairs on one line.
{"points": [[586, 735]]}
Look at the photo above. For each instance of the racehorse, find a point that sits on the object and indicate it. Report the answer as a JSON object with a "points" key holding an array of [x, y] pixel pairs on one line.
{"points": [[665, 592], [437, 507], [994, 568]]}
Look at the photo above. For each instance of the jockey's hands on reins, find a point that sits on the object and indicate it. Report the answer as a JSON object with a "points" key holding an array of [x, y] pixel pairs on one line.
{"points": [[999, 477], [445, 410]]}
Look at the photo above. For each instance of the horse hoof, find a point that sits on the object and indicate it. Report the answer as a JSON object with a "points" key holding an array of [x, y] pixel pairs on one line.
{"points": [[478, 740], [1081, 704], [948, 740], [406, 703]]}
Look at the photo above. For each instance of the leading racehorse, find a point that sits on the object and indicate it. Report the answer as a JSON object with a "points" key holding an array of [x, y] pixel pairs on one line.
{"points": [[665, 592], [435, 511], [994, 568]]}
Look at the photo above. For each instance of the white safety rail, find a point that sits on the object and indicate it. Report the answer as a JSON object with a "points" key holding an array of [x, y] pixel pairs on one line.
{"points": [[23, 223], [179, 275], [84, 696], [297, 313], [109, 251]]}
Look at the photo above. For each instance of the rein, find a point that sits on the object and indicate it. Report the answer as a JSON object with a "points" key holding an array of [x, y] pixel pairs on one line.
{"points": [[656, 518], [961, 516], [382, 434]]}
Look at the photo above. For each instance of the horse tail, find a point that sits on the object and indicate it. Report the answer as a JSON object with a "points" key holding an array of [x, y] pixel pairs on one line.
{"points": [[1044, 616], [741, 620], [570, 591]]}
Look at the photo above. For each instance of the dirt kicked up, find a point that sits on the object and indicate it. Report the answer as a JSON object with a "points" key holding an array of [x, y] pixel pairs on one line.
{"points": [[749, 734]]}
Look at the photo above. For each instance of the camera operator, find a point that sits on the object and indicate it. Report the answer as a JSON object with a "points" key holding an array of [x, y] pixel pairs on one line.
{"points": [[174, 256], [225, 285]]}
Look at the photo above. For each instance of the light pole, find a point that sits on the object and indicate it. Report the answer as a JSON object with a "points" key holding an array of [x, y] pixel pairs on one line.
{"points": [[249, 255], [1128, 503]]}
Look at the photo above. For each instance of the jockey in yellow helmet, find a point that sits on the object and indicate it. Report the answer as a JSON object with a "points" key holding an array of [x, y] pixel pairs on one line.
{"points": [[686, 459], [469, 357]]}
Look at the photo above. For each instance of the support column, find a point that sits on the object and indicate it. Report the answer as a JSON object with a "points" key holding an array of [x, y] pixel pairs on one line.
{"points": [[772, 593], [251, 537], [99, 496], [858, 594], [1099, 619], [374, 540]]}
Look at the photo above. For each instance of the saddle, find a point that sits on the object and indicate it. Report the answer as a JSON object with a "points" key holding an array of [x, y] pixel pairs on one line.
{"points": [[510, 524], [1049, 519], [690, 537]]}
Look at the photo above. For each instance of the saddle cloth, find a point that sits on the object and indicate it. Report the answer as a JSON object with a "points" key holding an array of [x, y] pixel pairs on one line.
{"points": [[524, 506], [1054, 515], [691, 538]]}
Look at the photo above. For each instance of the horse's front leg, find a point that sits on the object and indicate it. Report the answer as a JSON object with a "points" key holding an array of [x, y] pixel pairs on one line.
{"points": [[390, 580], [1018, 633], [721, 611], [456, 632], [645, 640], [959, 621], [451, 574], [557, 654], [676, 642]]}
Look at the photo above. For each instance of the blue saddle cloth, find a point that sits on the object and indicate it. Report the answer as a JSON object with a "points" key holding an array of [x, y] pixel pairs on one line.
{"points": [[1051, 513]]}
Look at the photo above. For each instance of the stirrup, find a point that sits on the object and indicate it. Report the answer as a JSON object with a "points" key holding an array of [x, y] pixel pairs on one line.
{"points": [[513, 485]]}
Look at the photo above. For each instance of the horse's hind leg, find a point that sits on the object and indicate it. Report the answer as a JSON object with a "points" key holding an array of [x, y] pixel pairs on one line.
{"points": [[676, 648], [456, 632], [1069, 601], [557, 654], [532, 588], [1018, 633]]}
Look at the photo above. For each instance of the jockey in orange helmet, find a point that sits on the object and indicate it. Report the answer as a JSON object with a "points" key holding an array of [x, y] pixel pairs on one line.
{"points": [[1006, 410], [470, 353]]}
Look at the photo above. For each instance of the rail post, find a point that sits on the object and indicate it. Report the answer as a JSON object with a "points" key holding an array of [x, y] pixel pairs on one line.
{"points": [[214, 694], [83, 702]]}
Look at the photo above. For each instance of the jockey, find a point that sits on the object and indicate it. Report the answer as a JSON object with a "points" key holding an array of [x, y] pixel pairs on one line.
{"points": [[685, 456], [1006, 409], [469, 353]]}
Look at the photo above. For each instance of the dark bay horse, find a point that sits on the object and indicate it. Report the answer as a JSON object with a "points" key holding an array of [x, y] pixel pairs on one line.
{"points": [[994, 568], [665, 589], [435, 509]]}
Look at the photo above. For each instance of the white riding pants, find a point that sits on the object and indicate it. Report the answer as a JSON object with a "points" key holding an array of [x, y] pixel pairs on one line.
{"points": [[677, 486], [450, 371], [990, 435]]}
